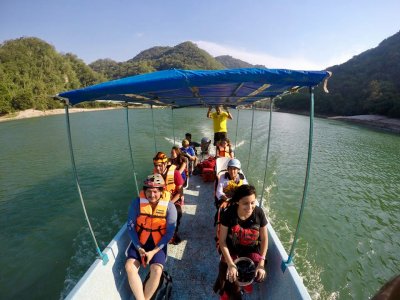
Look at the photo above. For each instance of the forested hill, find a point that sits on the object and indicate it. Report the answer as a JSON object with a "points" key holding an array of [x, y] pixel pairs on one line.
{"points": [[183, 56], [369, 83], [233, 63], [31, 71]]}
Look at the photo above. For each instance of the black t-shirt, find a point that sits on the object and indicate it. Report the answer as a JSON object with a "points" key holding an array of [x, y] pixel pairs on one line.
{"points": [[241, 233]]}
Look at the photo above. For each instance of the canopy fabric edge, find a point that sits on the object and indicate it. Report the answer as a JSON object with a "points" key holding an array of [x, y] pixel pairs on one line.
{"points": [[181, 88]]}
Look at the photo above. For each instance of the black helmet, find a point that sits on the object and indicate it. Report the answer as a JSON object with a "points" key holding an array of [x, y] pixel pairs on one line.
{"points": [[246, 270]]}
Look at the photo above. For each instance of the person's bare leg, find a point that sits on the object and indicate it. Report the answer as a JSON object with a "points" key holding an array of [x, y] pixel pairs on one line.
{"points": [[154, 280], [132, 270]]}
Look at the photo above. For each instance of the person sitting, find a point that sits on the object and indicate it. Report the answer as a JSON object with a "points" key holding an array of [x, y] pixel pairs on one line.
{"points": [[173, 184], [190, 154], [151, 224], [179, 160], [243, 233], [229, 181], [192, 144], [224, 149], [205, 144]]}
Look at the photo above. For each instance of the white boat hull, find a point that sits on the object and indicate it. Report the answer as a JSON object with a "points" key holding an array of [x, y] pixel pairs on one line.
{"points": [[193, 264]]}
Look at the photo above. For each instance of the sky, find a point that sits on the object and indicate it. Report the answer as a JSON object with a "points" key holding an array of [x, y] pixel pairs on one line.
{"points": [[290, 34]]}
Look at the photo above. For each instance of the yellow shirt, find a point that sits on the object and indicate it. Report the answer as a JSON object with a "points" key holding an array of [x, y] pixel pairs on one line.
{"points": [[219, 121]]}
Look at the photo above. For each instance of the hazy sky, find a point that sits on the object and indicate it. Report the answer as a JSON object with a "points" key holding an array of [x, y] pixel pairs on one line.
{"points": [[307, 34]]}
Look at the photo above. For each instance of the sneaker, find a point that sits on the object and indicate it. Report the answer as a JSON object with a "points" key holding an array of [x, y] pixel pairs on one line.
{"points": [[248, 289], [177, 239]]}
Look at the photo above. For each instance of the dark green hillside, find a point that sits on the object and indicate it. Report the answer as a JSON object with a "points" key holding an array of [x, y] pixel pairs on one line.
{"points": [[187, 56], [368, 83], [183, 56], [233, 63], [31, 71], [151, 53]]}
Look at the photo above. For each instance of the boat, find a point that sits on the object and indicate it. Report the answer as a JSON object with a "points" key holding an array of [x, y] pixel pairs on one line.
{"points": [[193, 263]]}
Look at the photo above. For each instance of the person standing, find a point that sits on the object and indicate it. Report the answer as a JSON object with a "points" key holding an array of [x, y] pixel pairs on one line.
{"points": [[219, 117]]}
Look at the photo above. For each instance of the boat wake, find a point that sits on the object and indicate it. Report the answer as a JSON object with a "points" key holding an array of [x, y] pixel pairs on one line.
{"points": [[306, 265], [84, 251]]}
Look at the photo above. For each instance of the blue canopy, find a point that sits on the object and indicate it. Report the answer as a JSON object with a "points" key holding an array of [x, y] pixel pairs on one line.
{"points": [[181, 88]]}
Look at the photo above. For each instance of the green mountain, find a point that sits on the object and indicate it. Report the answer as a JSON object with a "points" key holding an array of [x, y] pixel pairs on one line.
{"points": [[183, 56], [369, 83], [31, 71], [233, 63]]}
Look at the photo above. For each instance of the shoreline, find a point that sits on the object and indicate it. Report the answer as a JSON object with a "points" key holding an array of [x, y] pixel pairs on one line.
{"points": [[372, 121], [377, 122], [34, 113]]}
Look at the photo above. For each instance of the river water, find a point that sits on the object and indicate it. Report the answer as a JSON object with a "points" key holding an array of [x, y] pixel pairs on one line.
{"points": [[349, 241]]}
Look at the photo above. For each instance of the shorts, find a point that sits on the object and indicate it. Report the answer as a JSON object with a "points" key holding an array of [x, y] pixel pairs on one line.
{"points": [[159, 258], [219, 136]]}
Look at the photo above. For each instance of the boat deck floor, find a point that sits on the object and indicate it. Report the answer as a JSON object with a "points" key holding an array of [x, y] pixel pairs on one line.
{"points": [[193, 264]]}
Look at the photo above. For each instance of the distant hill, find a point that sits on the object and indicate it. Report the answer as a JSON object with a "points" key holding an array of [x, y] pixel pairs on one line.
{"points": [[31, 70], [233, 63], [369, 83], [183, 56]]}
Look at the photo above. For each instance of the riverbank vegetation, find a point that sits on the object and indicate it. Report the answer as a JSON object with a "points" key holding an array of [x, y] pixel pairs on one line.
{"points": [[32, 71]]}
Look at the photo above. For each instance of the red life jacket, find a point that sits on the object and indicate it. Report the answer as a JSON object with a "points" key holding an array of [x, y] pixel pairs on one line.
{"points": [[245, 236]]}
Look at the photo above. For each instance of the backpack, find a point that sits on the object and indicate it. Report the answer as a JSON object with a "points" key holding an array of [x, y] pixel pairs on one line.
{"points": [[164, 289]]}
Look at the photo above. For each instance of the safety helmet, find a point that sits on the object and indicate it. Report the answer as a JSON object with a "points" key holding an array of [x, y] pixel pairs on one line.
{"points": [[154, 181], [246, 270], [160, 158], [234, 163], [205, 140]]}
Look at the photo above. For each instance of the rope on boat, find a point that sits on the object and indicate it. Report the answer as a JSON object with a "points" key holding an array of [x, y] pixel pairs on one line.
{"points": [[237, 124], [154, 129], [305, 190], [130, 149], [267, 156], [172, 122], [103, 256], [251, 138]]}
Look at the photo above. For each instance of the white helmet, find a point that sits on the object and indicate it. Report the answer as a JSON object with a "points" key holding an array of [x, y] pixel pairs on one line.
{"points": [[234, 163]]}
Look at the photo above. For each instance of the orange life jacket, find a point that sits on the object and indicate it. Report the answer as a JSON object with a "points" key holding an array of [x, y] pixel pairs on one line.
{"points": [[169, 179], [151, 221], [223, 152]]}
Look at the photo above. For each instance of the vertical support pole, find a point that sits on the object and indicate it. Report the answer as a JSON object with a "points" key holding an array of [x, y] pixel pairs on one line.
{"points": [[305, 190], [103, 256], [172, 122], [267, 156], [154, 129], [237, 125], [251, 139], [130, 149]]}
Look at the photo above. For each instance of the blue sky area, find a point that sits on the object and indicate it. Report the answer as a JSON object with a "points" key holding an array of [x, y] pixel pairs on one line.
{"points": [[307, 34]]}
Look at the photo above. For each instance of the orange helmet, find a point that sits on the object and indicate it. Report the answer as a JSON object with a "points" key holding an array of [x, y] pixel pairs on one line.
{"points": [[154, 181], [160, 158]]}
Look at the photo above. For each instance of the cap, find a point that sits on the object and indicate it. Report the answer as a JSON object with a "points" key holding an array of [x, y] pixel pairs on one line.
{"points": [[154, 181], [160, 158], [205, 140], [234, 163]]}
